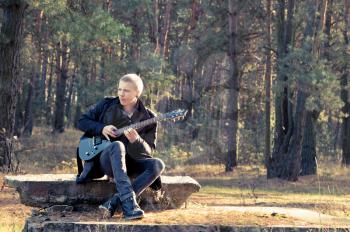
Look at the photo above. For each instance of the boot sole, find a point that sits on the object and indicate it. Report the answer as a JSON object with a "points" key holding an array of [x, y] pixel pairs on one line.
{"points": [[134, 217]]}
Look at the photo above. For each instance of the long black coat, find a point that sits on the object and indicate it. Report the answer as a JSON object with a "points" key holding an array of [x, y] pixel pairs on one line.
{"points": [[109, 112]]}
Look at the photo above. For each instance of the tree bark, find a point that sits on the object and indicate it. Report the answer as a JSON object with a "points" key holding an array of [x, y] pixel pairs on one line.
{"points": [[233, 88], [48, 113], [164, 43], [344, 83], [28, 113], [61, 72], [19, 117], [267, 152], [82, 82], [308, 153], [69, 99], [135, 39], [327, 30], [155, 27], [39, 90], [11, 38], [290, 169], [44, 67]]}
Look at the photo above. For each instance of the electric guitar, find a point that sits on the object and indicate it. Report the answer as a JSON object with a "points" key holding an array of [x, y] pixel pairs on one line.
{"points": [[89, 147]]}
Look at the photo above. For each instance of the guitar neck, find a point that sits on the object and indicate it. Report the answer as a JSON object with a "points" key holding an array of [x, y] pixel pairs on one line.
{"points": [[139, 125]]}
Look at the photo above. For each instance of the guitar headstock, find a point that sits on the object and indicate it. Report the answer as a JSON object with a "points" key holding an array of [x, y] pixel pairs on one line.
{"points": [[175, 115]]}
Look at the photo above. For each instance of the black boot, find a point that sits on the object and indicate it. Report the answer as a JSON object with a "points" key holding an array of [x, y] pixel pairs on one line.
{"points": [[111, 206], [131, 210]]}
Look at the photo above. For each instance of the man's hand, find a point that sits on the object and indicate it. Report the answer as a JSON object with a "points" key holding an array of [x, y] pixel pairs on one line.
{"points": [[131, 135], [108, 131]]}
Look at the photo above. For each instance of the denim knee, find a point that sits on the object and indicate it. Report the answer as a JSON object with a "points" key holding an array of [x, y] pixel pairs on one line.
{"points": [[158, 166], [119, 147]]}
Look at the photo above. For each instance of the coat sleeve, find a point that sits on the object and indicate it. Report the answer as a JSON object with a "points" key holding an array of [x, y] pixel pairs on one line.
{"points": [[144, 146], [89, 122]]}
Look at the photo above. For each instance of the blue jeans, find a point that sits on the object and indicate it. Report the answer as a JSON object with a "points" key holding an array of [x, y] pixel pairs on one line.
{"points": [[113, 163]]}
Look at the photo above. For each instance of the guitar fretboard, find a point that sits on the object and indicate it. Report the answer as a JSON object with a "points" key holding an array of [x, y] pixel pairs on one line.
{"points": [[139, 125]]}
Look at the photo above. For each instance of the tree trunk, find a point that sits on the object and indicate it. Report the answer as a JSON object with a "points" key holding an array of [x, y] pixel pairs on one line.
{"points": [[44, 67], [122, 50], [233, 88], [155, 27], [11, 34], [135, 39], [268, 86], [69, 98], [189, 95], [308, 153], [42, 98], [82, 82], [290, 169], [327, 30], [48, 109], [28, 114], [77, 115], [344, 83], [19, 117], [102, 72], [286, 164], [61, 72], [39, 90], [326, 54], [283, 105], [335, 131], [164, 43]]}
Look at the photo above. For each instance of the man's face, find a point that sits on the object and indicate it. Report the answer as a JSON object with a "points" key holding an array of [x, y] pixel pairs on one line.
{"points": [[127, 93]]}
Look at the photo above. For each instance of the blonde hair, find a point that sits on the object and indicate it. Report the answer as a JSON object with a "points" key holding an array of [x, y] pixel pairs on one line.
{"points": [[135, 80]]}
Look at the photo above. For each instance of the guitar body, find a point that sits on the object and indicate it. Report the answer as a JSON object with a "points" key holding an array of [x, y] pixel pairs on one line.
{"points": [[90, 147]]}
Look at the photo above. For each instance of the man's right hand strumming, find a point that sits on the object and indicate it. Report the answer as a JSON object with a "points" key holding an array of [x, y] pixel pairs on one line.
{"points": [[109, 131]]}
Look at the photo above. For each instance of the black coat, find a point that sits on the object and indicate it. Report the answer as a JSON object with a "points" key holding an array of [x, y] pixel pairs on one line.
{"points": [[109, 112]]}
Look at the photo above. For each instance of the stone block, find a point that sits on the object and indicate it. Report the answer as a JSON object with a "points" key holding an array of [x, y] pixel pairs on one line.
{"points": [[44, 190]]}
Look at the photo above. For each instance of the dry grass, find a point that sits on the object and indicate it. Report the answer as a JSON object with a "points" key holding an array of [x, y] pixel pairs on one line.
{"points": [[328, 192], [247, 186], [12, 212], [48, 153]]}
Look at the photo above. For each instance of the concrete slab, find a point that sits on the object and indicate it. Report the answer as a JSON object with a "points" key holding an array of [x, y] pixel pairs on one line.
{"points": [[43, 190]]}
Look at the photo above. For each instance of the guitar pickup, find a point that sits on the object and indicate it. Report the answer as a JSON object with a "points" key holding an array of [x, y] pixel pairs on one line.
{"points": [[97, 141]]}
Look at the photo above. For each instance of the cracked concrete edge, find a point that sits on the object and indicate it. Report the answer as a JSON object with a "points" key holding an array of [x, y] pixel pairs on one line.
{"points": [[108, 226]]}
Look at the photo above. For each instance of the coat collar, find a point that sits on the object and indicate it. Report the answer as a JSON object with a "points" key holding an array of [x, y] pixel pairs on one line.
{"points": [[140, 113]]}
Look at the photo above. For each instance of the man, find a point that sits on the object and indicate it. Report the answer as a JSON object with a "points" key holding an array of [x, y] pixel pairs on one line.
{"points": [[129, 154]]}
